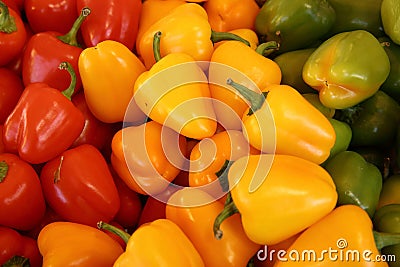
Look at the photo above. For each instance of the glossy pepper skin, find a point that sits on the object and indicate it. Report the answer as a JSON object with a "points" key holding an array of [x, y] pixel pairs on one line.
{"points": [[109, 71], [16, 248], [281, 183], [116, 20], [391, 86], [11, 88], [390, 19], [44, 122], [343, 137], [357, 181], [347, 228], [12, 34], [294, 24], [389, 193], [165, 238], [22, 203], [79, 186], [347, 68], [66, 243], [275, 119], [196, 221]]}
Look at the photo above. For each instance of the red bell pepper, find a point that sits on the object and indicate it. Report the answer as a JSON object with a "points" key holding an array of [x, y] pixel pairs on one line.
{"points": [[46, 50], [22, 203], [78, 185], [116, 20], [44, 122], [17, 249], [11, 88], [12, 34]]}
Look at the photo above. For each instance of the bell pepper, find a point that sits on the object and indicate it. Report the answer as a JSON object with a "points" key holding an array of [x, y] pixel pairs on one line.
{"points": [[186, 30], [109, 71], [391, 86], [180, 97], [342, 238], [46, 50], [347, 68], [294, 24], [343, 137], [163, 237], [378, 156], [111, 20], [148, 157], [389, 11], [291, 64], [68, 244], [194, 210], [268, 191], [22, 205], [44, 122], [374, 121], [251, 69], [227, 15], [386, 220], [314, 100], [357, 181], [49, 216], [17, 249], [12, 34], [356, 15], [281, 120], [389, 193], [78, 186], [11, 88]]}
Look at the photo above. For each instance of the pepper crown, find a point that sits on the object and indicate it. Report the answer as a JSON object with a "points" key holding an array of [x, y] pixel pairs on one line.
{"points": [[7, 22]]}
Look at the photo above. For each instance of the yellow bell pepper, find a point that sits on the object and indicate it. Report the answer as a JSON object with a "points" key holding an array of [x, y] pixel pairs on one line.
{"points": [[278, 196]]}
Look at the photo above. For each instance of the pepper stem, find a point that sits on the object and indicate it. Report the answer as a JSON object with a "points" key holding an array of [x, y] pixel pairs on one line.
{"points": [[265, 49], [229, 210], [57, 172], [122, 234], [17, 261], [70, 90], [156, 46], [7, 22], [70, 37], [3, 170], [256, 100], [227, 36], [385, 239], [222, 175]]}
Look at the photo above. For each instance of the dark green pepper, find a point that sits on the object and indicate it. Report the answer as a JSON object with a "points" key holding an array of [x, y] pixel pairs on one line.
{"points": [[374, 121], [291, 65], [378, 156], [387, 219], [357, 15], [390, 191], [294, 24], [357, 181], [392, 84]]}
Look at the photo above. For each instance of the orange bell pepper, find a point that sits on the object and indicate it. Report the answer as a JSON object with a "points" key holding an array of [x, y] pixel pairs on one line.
{"points": [[342, 238], [72, 244], [109, 71], [281, 119], [227, 15], [196, 221], [159, 243], [141, 157], [278, 196]]}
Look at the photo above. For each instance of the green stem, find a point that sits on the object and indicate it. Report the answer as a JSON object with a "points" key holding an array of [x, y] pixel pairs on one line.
{"points": [[222, 175], [70, 37], [229, 210], [7, 22], [70, 90], [122, 234], [3, 170], [227, 36], [265, 49], [385, 239], [17, 261], [156, 46], [256, 100]]}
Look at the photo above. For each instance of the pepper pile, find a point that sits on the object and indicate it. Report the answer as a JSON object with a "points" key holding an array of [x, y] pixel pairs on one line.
{"points": [[199, 133]]}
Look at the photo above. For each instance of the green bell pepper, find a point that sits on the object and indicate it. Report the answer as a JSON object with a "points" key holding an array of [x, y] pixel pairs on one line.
{"points": [[294, 24], [357, 15], [390, 13], [378, 156], [347, 68], [357, 181], [373, 121], [386, 220], [392, 84], [314, 100], [390, 191], [291, 64], [343, 137]]}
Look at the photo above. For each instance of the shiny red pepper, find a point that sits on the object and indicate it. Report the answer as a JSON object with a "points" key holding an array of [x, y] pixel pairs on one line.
{"points": [[11, 88], [43, 124]]}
